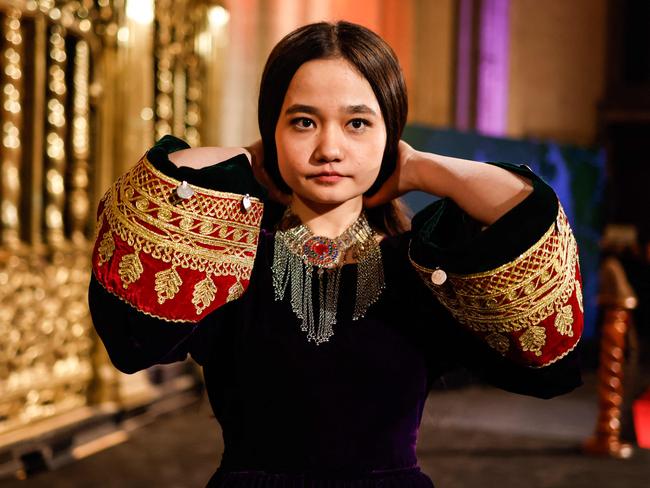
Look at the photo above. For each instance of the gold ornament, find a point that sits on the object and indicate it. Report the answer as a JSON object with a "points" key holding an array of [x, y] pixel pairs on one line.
{"points": [[235, 291], [204, 293], [564, 321], [130, 269], [168, 282]]}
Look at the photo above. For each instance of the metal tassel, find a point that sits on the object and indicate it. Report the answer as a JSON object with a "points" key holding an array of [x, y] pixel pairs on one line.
{"points": [[291, 270]]}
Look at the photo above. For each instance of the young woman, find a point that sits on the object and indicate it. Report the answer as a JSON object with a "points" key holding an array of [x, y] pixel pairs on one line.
{"points": [[321, 327]]}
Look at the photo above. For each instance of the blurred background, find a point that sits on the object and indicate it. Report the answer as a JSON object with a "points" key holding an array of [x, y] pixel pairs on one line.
{"points": [[89, 85]]}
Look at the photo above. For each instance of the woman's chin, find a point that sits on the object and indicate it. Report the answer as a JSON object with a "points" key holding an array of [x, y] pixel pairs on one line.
{"points": [[329, 198]]}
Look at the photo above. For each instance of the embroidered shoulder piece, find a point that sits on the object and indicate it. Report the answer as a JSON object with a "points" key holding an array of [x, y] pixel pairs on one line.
{"points": [[530, 309], [172, 250]]}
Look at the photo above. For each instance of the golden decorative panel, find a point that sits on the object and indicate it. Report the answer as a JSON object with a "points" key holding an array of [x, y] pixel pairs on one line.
{"points": [[47, 363], [12, 94], [62, 137], [45, 354], [178, 73], [507, 306]]}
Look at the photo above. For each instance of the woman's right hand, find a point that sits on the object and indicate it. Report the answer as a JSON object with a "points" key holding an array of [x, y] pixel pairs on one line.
{"points": [[256, 157]]}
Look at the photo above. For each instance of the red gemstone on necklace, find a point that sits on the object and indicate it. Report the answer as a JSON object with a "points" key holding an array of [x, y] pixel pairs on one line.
{"points": [[320, 248], [321, 251]]}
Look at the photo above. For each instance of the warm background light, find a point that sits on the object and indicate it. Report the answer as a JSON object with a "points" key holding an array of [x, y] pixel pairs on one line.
{"points": [[218, 16], [140, 11]]}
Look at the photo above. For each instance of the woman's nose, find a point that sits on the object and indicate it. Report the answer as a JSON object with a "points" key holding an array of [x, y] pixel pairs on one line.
{"points": [[329, 147]]}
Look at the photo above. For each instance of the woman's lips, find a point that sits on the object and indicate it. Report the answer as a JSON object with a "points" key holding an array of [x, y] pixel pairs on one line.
{"points": [[327, 177]]}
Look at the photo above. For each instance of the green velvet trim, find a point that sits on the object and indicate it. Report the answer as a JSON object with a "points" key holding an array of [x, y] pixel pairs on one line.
{"points": [[445, 236], [233, 175]]}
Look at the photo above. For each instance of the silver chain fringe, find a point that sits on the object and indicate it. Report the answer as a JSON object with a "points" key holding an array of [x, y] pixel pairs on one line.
{"points": [[292, 269]]}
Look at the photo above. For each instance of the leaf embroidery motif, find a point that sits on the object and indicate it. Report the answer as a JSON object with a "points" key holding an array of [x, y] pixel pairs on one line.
{"points": [[579, 295], [533, 340], [130, 269], [106, 248], [235, 291], [564, 321], [168, 282], [499, 342], [204, 293]]}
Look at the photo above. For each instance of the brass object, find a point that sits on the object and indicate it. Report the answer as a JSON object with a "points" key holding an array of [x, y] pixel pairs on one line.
{"points": [[618, 300], [164, 52], [62, 145], [45, 363], [12, 123], [56, 128], [49, 361], [178, 70], [78, 206]]}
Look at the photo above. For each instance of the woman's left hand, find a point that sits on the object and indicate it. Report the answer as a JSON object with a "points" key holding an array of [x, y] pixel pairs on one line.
{"points": [[403, 179]]}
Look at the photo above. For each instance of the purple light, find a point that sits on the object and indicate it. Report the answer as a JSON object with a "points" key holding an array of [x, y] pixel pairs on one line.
{"points": [[464, 66], [492, 92]]}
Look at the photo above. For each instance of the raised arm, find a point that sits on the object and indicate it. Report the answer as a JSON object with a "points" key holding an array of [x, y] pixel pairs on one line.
{"points": [[485, 192], [497, 252], [174, 244]]}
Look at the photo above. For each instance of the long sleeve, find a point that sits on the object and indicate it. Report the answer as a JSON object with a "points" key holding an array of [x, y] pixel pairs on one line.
{"points": [[135, 341], [166, 261], [514, 287], [451, 346]]}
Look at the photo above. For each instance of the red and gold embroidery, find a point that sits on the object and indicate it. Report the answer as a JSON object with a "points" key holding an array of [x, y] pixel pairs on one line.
{"points": [[536, 299], [205, 291], [174, 258]]}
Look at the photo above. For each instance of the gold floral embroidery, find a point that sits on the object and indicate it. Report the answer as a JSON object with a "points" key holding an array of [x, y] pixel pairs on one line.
{"points": [[165, 214], [206, 228], [235, 291], [196, 234], [499, 342], [521, 293], [106, 248], [533, 340], [142, 204], [579, 295], [130, 269], [186, 223], [204, 293], [564, 321], [167, 284]]}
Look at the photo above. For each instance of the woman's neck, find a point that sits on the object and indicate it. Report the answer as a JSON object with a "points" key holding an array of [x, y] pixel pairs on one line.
{"points": [[324, 219]]}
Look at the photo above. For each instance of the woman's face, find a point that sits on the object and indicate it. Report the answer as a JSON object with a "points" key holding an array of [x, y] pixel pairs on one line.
{"points": [[330, 135]]}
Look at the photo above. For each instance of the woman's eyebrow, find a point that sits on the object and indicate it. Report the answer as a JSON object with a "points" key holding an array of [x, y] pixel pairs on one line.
{"points": [[359, 109], [309, 109], [299, 108]]}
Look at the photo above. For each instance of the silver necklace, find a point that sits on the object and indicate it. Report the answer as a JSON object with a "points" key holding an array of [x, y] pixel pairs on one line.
{"points": [[299, 255]]}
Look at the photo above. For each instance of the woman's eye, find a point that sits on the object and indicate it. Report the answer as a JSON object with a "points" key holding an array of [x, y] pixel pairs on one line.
{"points": [[303, 123], [359, 124]]}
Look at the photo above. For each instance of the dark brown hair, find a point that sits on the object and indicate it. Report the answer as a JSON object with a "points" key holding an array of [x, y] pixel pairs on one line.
{"points": [[375, 60]]}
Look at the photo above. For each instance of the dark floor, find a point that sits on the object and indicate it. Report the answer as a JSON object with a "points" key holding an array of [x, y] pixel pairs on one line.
{"points": [[472, 437]]}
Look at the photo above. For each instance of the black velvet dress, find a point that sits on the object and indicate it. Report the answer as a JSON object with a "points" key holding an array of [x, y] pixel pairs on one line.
{"points": [[341, 414]]}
